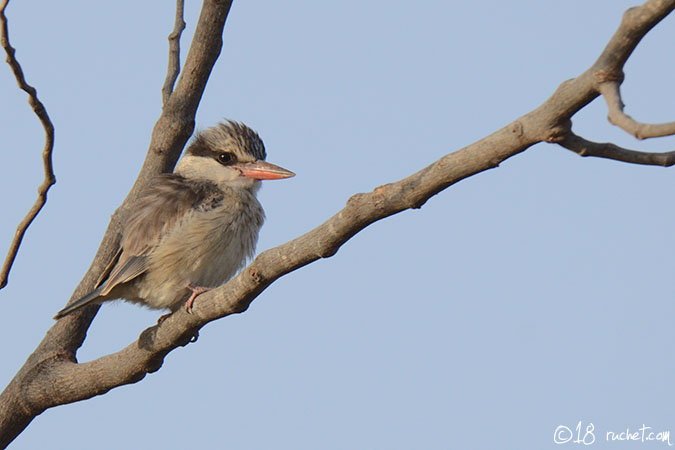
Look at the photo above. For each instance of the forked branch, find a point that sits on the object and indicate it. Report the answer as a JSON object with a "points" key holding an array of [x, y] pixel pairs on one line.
{"points": [[169, 135]]}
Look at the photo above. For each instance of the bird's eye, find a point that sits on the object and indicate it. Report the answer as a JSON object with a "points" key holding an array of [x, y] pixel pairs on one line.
{"points": [[225, 158]]}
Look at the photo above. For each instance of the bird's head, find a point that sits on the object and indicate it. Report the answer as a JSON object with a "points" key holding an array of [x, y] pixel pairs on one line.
{"points": [[229, 153]]}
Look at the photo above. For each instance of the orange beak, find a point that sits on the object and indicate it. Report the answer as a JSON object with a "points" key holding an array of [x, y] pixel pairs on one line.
{"points": [[262, 170]]}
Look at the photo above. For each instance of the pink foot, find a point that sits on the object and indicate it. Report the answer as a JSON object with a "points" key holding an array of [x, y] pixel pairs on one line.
{"points": [[196, 291]]}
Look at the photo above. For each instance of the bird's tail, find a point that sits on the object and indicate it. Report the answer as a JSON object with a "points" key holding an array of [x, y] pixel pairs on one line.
{"points": [[77, 304]]}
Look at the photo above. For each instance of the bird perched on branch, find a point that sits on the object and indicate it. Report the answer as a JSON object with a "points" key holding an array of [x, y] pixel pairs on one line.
{"points": [[193, 229]]}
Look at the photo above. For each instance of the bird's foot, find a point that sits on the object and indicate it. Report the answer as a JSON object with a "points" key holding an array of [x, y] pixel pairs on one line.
{"points": [[196, 291], [163, 318]]}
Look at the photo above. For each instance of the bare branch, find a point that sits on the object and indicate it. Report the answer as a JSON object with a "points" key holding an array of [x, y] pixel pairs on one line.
{"points": [[611, 91], [49, 177], [636, 22], [52, 376], [608, 69], [607, 150], [81, 381], [174, 53], [172, 130]]}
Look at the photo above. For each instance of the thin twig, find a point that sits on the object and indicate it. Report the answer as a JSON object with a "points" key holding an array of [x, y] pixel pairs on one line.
{"points": [[174, 53], [584, 147], [49, 178], [611, 91]]}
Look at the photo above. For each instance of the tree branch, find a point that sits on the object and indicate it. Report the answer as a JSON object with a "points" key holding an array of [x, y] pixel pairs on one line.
{"points": [[608, 150], [169, 135], [612, 93], [49, 177], [174, 53], [52, 376]]}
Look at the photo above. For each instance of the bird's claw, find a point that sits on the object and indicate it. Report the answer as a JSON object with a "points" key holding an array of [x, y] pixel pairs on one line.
{"points": [[196, 291], [162, 318]]}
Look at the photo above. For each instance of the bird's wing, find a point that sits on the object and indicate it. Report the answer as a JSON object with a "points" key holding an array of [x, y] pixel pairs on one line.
{"points": [[158, 210], [108, 269], [132, 267]]}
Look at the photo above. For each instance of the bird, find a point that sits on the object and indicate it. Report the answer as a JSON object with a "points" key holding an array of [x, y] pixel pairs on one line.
{"points": [[193, 229]]}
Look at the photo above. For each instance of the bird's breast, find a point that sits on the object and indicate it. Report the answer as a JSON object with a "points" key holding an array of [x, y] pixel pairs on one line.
{"points": [[206, 248]]}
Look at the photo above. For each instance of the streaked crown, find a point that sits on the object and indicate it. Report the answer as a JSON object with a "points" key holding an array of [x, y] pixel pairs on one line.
{"points": [[230, 136]]}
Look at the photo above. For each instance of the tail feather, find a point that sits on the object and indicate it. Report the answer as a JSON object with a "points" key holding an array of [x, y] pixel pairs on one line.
{"points": [[77, 304]]}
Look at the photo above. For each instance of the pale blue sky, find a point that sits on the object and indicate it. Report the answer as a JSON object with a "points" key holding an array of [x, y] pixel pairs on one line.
{"points": [[531, 296]]}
